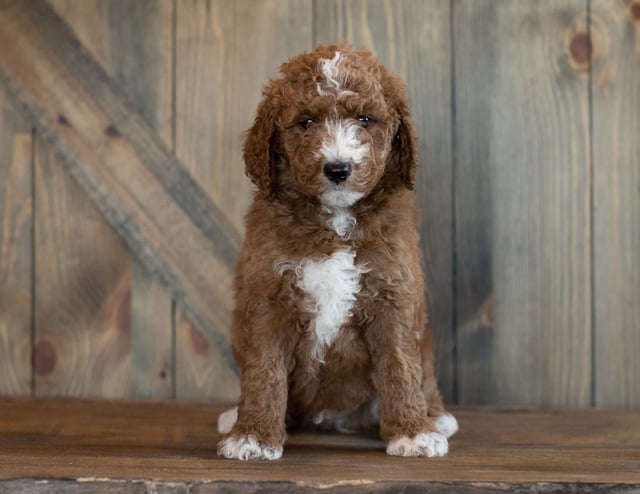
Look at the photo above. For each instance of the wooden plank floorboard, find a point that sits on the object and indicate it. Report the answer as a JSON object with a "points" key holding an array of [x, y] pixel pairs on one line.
{"points": [[107, 445]]}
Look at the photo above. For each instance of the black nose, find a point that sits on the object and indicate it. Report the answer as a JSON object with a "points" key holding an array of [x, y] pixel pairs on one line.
{"points": [[337, 172]]}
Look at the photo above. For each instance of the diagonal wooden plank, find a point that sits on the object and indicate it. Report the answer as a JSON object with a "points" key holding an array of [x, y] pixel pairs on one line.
{"points": [[81, 289], [133, 43], [144, 192]]}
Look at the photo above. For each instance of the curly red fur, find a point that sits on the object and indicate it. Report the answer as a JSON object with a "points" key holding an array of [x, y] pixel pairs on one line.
{"points": [[382, 350]]}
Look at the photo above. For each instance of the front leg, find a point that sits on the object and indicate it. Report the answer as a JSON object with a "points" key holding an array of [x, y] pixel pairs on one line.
{"points": [[259, 430], [394, 343], [262, 350]]}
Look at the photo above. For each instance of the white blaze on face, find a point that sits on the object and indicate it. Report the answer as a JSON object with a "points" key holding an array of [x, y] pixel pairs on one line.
{"points": [[335, 78], [329, 68], [341, 143]]}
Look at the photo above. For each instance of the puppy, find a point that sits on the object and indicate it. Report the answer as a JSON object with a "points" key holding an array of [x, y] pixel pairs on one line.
{"points": [[330, 322]]}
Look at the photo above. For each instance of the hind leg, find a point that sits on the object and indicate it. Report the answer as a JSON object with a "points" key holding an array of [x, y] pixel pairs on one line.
{"points": [[445, 423], [227, 419], [365, 418]]}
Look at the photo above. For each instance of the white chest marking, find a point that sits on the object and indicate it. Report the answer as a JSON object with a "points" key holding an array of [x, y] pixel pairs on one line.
{"points": [[331, 286]]}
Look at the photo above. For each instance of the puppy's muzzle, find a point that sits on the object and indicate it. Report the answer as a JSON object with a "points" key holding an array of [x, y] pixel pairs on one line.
{"points": [[338, 171]]}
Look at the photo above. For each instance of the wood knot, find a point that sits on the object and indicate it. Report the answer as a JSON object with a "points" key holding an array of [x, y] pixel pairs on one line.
{"points": [[62, 120], [634, 10], [44, 358], [580, 48], [112, 131]]}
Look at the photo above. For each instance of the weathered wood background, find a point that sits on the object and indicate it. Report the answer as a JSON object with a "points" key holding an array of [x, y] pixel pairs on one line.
{"points": [[529, 119]]}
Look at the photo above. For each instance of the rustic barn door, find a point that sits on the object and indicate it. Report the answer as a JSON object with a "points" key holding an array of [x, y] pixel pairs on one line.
{"points": [[122, 188]]}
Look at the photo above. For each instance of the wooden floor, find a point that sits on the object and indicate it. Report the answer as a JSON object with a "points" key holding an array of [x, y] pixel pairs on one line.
{"points": [[113, 447]]}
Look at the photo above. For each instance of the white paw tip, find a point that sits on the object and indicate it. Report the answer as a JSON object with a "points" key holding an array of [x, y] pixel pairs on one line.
{"points": [[227, 420], [247, 447], [447, 425], [424, 445]]}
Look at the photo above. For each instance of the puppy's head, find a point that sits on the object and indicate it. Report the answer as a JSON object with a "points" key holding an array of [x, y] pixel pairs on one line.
{"points": [[334, 126]]}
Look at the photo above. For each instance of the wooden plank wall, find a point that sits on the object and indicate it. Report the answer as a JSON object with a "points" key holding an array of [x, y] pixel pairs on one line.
{"points": [[106, 323], [616, 201], [528, 114], [522, 204], [16, 244]]}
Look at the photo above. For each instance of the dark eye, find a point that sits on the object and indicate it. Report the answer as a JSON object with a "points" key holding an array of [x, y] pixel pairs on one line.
{"points": [[306, 123], [365, 121]]}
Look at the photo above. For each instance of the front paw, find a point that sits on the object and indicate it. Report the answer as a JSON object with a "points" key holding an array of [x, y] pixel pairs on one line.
{"points": [[247, 447], [427, 444]]}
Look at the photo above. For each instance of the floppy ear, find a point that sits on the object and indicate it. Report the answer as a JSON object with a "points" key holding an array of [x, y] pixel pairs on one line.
{"points": [[260, 150], [405, 142]]}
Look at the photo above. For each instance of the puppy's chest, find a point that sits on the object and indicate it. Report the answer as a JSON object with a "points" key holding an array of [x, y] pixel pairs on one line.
{"points": [[330, 288]]}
